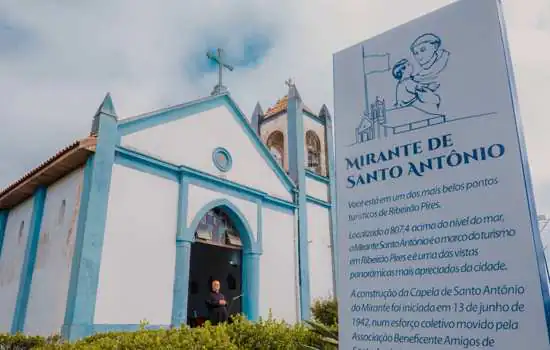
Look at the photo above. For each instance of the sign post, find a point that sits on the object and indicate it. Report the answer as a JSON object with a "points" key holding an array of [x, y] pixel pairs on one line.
{"points": [[438, 239]]}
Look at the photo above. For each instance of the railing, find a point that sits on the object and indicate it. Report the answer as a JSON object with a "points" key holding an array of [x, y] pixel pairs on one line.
{"points": [[399, 129]]}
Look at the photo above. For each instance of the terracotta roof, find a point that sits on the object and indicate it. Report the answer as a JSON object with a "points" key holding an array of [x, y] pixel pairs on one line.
{"points": [[63, 162], [280, 106]]}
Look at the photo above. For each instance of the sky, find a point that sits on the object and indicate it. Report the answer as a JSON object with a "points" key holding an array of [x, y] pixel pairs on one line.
{"points": [[59, 58]]}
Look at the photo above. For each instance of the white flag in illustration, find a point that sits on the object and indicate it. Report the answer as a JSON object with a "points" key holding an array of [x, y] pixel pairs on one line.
{"points": [[377, 63]]}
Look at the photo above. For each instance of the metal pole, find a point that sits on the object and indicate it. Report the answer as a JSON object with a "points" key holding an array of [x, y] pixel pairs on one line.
{"points": [[220, 66], [365, 82]]}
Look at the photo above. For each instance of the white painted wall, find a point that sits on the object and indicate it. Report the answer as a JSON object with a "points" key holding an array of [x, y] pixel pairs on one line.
{"points": [[317, 189], [199, 197], [190, 141], [50, 281], [11, 260], [320, 255], [278, 267], [136, 275]]}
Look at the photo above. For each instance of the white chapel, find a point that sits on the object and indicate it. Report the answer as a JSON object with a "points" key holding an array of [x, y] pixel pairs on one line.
{"points": [[133, 222]]}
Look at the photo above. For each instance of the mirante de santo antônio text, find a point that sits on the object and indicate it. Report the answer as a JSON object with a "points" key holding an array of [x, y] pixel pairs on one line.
{"points": [[363, 174]]}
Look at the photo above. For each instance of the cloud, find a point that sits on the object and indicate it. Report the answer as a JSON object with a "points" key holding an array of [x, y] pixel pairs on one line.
{"points": [[248, 53], [58, 58]]}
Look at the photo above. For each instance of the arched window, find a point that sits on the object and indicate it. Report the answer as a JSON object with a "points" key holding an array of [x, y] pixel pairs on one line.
{"points": [[313, 146], [217, 228], [276, 145]]}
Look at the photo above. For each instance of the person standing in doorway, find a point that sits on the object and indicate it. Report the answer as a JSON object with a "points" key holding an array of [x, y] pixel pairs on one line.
{"points": [[217, 305]]}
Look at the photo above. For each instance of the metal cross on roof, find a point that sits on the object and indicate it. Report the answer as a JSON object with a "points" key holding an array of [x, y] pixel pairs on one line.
{"points": [[219, 60], [289, 82]]}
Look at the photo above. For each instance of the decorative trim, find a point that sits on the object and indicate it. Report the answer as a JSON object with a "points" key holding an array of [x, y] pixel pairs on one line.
{"points": [[147, 164], [181, 283], [183, 197], [528, 185], [222, 152], [314, 117], [183, 256], [242, 192], [310, 115], [317, 177], [332, 198], [138, 123], [251, 284], [296, 141], [77, 255], [166, 115], [3, 223], [318, 201], [27, 269], [79, 318], [259, 229], [139, 161]]}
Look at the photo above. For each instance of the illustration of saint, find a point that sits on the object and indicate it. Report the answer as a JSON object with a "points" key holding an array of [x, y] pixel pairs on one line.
{"points": [[418, 95], [420, 89], [431, 57], [408, 91]]}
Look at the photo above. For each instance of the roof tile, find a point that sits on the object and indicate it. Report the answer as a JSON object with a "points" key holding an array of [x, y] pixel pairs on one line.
{"points": [[281, 106], [88, 142]]}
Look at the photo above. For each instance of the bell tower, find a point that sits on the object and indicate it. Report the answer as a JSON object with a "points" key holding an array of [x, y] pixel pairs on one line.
{"points": [[274, 126]]}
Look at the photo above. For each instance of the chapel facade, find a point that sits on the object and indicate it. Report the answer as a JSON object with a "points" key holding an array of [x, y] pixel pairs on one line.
{"points": [[134, 221]]}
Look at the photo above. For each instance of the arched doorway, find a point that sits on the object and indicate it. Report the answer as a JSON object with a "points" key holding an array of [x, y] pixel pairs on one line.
{"points": [[216, 254], [250, 251]]}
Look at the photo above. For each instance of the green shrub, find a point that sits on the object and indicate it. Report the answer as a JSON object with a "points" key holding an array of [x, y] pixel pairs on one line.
{"points": [[328, 336], [324, 324], [325, 311], [207, 338], [268, 334], [23, 342]]}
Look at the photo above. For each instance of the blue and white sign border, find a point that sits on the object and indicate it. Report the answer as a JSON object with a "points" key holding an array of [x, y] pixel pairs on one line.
{"points": [[539, 250]]}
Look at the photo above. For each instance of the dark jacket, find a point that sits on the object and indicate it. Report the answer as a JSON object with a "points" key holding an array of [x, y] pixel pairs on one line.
{"points": [[216, 313]]}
